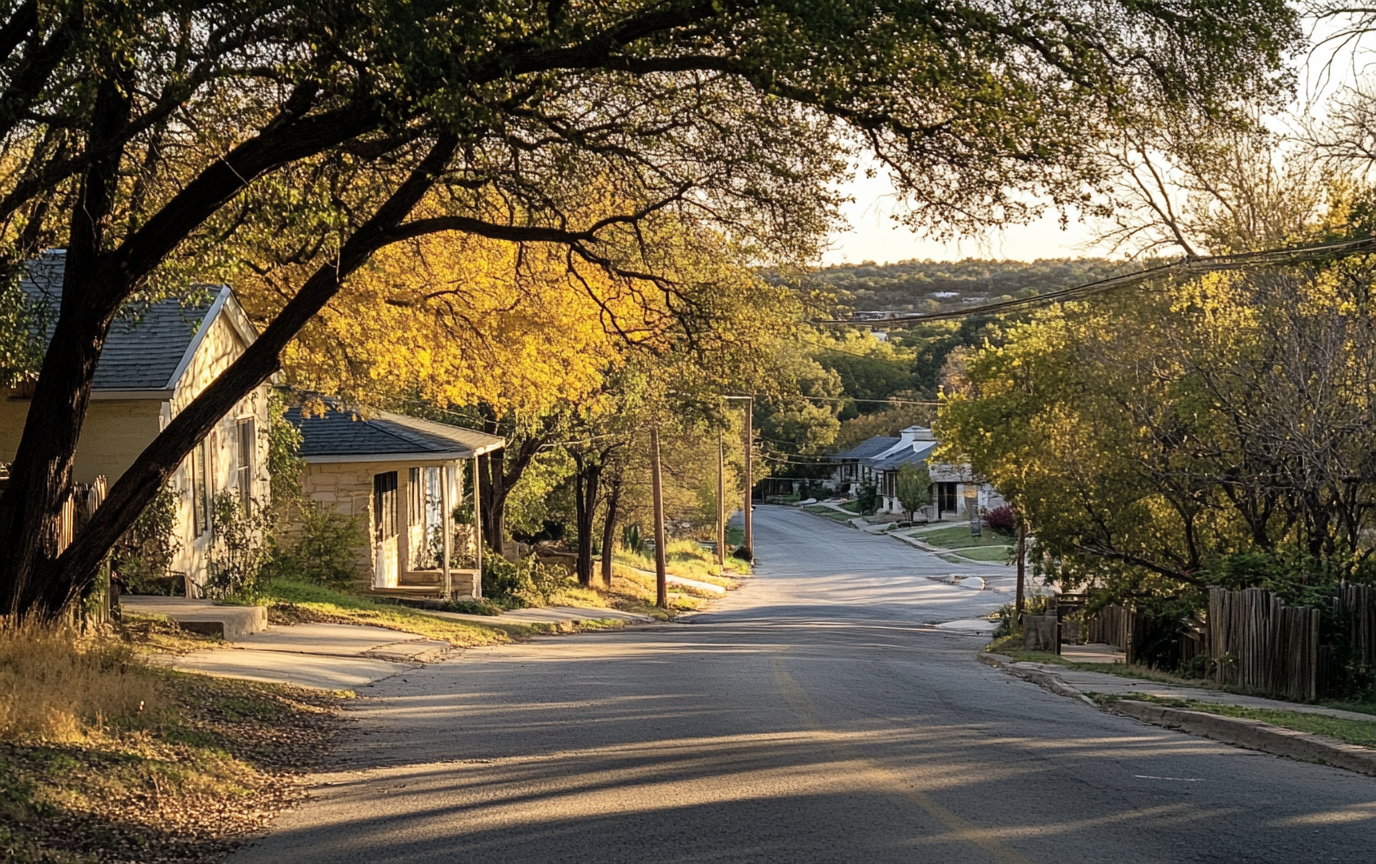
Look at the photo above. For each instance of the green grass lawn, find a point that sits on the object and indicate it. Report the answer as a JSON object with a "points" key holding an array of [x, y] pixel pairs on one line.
{"points": [[830, 513], [958, 537], [289, 602], [985, 553], [1359, 732]]}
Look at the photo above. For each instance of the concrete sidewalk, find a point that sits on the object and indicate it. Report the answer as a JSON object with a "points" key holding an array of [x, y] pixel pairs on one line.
{"points": [[1108, 684], [326, 656]]}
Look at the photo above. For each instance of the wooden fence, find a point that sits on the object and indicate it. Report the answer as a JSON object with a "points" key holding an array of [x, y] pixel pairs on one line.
{"points": [[1113, 625], [1354, 608], [1258, 642], [78, 509], [1255, 640]]}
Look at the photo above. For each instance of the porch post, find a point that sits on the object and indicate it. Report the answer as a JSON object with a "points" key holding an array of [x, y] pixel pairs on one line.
{"points": [[404, 492], [477, 533], [447, 530]]}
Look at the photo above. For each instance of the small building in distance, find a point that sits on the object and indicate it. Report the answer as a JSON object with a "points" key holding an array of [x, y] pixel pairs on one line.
{"points": [[403, 479], [880, 459]]}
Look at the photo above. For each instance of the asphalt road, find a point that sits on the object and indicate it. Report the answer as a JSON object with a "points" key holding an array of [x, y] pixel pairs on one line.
{"points": [[810, 719]]}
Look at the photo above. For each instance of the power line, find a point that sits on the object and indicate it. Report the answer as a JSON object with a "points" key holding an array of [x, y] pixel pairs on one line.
{"points": [[1194, 265], [843, 399]]}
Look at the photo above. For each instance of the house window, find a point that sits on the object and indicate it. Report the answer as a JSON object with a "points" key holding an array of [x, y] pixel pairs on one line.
{"points": [[246, 434], [385, 505], [200, 489]]}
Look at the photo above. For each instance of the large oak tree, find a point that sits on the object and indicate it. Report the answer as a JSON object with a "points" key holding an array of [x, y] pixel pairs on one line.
{"points": [[151, 137]]}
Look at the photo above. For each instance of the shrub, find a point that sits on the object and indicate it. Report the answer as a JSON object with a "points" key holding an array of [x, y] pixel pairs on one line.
{"points": [[143, 555], [632, 540], [284, 446], [327, 551], [1032, 604], [523, 582], [1001, 520], [867, 498], [57, 686], [240, 551]]}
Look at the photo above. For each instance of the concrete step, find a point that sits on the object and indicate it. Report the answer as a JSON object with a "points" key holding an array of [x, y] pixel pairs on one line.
{"points": [[201, 616]]}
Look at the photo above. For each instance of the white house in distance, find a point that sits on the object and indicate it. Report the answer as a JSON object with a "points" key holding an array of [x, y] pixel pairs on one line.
{"points": [[879, 460], [157, 359]]}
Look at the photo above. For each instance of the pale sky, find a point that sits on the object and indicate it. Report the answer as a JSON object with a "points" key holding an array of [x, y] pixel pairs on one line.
{"points": [[874, 236]]}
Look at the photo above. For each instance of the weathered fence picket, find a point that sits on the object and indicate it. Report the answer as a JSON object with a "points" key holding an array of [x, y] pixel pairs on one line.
{"points": [[1258, 642], [78, 509]]}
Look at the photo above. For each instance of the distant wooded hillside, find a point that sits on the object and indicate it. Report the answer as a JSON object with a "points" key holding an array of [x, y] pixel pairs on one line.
{"points": [[917, 286]]}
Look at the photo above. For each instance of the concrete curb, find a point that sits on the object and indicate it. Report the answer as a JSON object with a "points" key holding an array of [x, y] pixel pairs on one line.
{"points": [[977, 583], [1239, 732], [1036, 676], [1252, 734]]}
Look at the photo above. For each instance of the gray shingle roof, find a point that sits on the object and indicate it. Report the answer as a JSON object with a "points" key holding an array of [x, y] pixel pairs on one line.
{"points": [[146, 343], [872, 447], [898, 460], [341, 433]]}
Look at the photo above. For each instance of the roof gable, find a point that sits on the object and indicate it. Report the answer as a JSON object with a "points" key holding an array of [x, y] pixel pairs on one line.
{"points": [[913, 456], [149, 346]]}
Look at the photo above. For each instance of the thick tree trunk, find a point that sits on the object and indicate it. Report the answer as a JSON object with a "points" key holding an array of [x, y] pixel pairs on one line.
{"points": [[609, 528], [492, 500], [496, 479], [141, 482], [587, 480], [41, 476], [96, 284]]}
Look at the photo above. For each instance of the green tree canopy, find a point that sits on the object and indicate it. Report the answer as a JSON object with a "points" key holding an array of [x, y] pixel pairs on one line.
{"points": [[164, 142], [914, 488]]}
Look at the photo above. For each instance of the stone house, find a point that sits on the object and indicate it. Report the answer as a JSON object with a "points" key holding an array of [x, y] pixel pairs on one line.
{"points": [[402, 479], [157, 358]]}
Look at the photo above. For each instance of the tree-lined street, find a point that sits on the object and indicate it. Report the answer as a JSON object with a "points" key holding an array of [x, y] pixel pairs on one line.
{"points": [[808, 718]]}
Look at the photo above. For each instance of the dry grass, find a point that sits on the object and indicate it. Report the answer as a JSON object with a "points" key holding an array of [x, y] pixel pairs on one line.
{"points": [[56, 686], [686, 559], [104, 758]]}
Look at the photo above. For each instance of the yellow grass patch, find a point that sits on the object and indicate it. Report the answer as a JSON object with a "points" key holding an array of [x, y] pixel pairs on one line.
{"points": [[55, 685]]}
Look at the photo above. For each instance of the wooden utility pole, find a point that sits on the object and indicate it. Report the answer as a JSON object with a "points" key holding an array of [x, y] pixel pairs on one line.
{"points": [[721, 501], [661, 584], [1022, 562], [749, 477]]}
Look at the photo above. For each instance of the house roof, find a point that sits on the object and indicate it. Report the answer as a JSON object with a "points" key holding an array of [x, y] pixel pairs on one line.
{"points": [[895, 461], [341, 434], [149, 345], [868, 449]]}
